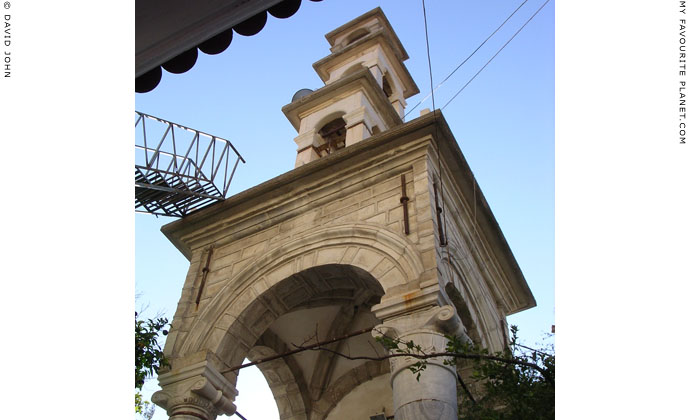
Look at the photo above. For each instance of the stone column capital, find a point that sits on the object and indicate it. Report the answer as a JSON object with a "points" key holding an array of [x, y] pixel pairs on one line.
{"points": [[435, 320], [428, 295], [358, 125], [197, 391], [307, 139], [397, 96], [357, 116], [427, 328]]}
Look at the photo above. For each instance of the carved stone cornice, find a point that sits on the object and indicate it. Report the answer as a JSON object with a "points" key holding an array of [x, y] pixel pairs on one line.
{"points": [[195, 391], [427, 296], [439, 320]]}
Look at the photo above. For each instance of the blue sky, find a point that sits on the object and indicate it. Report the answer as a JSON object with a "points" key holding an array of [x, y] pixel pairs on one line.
{"points": [[503, 121], [621, 189]]}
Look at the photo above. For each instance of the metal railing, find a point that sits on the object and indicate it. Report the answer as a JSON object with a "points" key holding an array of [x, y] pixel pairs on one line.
{"points": [[179, 169]]}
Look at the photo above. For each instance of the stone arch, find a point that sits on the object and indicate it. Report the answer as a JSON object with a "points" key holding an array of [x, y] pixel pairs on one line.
{"points": [[457, 281], [328, 118], [464, 312], [356, 35], [353, 69], [284, 381], [319, 286], [331, 130], [386, 85], [332, 135], [372, 252], [346, 383]]}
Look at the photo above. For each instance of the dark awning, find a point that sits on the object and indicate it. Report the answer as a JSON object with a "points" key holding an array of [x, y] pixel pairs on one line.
{"points": [[169, 33]]}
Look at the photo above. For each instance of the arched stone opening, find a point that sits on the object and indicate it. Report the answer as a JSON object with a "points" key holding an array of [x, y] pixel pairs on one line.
{"points": [[475, 300], [283, 379], [466, 297], [386, 257], [313, 305], [333, 136], [353, 69], [356, 35], [325, 283], [386, 86], [464, 312]]}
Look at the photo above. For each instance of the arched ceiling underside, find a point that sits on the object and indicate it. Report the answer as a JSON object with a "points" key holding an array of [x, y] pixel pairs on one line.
{"points": [[316, 305], [336, 293]]}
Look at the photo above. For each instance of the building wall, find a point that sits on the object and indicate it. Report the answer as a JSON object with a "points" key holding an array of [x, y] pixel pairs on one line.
{"points": [[470, 274], [323, 238], [366, 192], [359, 194]]}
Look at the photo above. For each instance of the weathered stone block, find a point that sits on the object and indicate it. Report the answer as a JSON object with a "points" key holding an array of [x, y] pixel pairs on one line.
{"points": [[379, 219], [330, 255], [388, 203], [366, 259]]}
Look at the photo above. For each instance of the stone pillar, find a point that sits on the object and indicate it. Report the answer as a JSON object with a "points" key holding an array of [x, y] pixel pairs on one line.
{"points": [[434, 395], [358, 123], [306, 147], [398, 103], [376, 72], [195, 392]]}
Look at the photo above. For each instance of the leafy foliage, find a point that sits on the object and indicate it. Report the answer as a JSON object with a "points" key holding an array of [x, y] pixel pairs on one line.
{"points": [[149, 357], [144, 408], [398, 346], [516, 384], [511, 391]]}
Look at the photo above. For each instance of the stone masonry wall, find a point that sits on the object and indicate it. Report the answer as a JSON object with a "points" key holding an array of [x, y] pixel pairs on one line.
{"points": [[468, 264], [369, 192]]}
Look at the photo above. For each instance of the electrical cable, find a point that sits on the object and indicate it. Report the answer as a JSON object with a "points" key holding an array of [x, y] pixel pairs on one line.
{"points": [[428, 56], [491, 59], [442, 237], [465, 60]]}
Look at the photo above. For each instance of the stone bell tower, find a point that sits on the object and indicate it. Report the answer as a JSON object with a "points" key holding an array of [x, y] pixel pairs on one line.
{"points": [[366, 87], [351, 239]]}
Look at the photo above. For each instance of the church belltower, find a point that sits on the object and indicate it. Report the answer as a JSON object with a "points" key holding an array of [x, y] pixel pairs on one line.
{"points": [[366, 87], [349, 245]]}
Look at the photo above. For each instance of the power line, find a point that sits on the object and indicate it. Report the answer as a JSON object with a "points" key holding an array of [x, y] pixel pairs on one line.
{"points": [[491, 59], [464, 61], [428, 56], [439, 210]]}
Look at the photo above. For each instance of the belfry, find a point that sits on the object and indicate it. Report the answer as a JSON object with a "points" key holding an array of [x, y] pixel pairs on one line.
{"points": [[381, 226]]}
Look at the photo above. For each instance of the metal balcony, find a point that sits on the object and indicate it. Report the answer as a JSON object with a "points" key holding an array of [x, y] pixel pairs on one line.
{"points": [[179, 169]]}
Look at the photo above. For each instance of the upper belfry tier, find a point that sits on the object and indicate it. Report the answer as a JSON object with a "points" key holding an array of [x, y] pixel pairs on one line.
{"points": [[366, 84], [370, 41]]}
